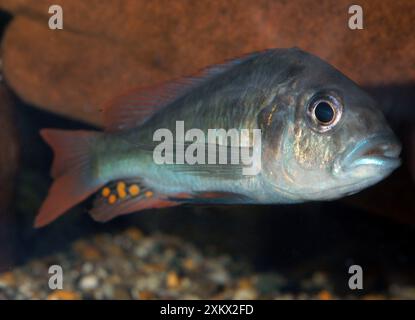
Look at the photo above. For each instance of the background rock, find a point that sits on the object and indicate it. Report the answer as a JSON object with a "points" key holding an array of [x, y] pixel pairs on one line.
{"points": [[107, 47]]}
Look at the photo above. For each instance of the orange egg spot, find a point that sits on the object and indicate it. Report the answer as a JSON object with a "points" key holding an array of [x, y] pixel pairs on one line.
{"points": [[122, 194], [120, 185], [121, 190], [106, 192], [148, 194], [112, 198], [134, 190]]}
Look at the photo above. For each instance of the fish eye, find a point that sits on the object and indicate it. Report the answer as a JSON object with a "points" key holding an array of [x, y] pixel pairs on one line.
{"points": [[324, 111]]}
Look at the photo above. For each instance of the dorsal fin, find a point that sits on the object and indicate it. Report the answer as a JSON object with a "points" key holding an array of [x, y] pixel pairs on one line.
{"points": [[131, 109]]}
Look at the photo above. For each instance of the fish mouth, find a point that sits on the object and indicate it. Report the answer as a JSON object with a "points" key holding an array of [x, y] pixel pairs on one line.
{"points": [[378, 152]]}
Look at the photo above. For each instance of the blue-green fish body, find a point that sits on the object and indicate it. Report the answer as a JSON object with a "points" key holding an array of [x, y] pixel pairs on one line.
{"points": [[321, 138]]}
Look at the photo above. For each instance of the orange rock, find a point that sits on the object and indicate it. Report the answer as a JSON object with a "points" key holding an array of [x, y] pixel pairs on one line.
{"points": [[245, 283], [172, 280], [86, 251], [145, 295], [154, 267], [325, 295], [7, 278], [134, 234], [63, 295], [189, 264]]}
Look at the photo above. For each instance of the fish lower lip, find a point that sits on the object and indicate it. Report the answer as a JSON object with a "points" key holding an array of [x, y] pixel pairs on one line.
{"points": [[376, 161], [382, 151]]}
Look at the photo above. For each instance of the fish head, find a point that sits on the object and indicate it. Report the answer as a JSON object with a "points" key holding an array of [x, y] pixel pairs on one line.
{"points": [[329, 139]]}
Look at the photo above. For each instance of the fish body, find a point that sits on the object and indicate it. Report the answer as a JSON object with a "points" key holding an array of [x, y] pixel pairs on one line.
{"points": [[321, 138]]}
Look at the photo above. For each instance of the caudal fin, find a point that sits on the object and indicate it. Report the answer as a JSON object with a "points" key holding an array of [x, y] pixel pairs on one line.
{"points": [[71, 170]]}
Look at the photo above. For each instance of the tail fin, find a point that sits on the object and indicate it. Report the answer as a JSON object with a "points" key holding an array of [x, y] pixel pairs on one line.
{"points": [[71, 170]]}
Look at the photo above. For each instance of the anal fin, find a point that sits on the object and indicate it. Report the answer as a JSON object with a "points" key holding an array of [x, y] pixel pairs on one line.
{"points": [[119, 198], [123, 197]]}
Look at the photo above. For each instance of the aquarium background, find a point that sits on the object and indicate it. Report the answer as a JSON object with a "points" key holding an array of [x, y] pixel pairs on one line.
{"points": [[63, 78]]}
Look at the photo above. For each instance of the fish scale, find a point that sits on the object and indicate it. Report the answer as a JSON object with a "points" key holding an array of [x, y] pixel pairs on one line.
{"points": [[299, 157]]}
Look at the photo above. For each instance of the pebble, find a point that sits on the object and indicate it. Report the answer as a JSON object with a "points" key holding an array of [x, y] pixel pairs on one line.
{"points": [[245, 294], [324, 295], [173, 281], [134, 234], [189, 264], [87, 267], [87, 251], [63, 295], [7, 279], [131, 265], [145, 295], [89, 282]]}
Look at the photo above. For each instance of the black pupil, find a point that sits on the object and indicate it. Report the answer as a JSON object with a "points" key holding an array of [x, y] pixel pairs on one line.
{"points": [[324, 112]]}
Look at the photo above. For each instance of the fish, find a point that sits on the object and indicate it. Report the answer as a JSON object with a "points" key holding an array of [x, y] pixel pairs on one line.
{"points": [[321, 138]]}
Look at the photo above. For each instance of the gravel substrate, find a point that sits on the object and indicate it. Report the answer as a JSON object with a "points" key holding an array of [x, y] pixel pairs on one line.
{"points": [[129, 265]]}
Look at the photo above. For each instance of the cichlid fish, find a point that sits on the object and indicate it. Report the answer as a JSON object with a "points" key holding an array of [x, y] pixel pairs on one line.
{"points": [[322, 138]]}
